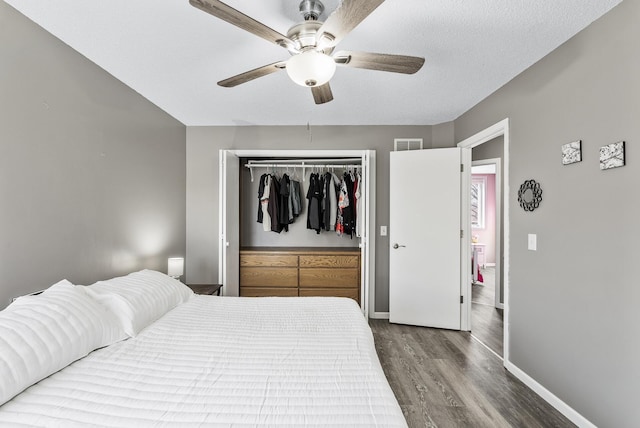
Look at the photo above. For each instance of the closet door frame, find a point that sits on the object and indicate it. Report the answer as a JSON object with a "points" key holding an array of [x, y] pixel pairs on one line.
{"points": [[367, 240]]}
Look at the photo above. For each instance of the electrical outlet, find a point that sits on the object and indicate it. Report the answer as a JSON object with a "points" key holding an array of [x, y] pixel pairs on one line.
{"points": [[383, 230]]}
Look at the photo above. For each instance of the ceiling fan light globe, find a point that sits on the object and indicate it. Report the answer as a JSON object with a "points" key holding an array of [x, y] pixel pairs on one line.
{"points": [[311, 68]]}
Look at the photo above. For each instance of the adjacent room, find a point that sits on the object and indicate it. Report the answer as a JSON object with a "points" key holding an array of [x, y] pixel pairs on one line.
{"points": [[330, 213]]}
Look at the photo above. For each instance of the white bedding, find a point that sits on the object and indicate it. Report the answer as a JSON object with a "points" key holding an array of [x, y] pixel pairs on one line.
{"points": [[224, 361]]}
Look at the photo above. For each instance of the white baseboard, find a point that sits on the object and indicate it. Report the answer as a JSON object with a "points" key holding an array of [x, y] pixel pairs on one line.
{"points": [[379, 315], [549, 397], [490, 264]]}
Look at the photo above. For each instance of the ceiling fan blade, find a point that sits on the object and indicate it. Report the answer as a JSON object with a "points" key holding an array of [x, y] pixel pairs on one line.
{"points": [[239, 19], [322, 94], [344, 19], [253, 74], [381, 62]]}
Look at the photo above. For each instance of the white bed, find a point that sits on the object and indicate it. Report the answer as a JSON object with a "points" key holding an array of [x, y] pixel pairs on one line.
{"points": [[224, 361]]}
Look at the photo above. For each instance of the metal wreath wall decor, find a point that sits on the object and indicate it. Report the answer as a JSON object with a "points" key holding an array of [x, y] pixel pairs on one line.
{"points": [[530, 195]]}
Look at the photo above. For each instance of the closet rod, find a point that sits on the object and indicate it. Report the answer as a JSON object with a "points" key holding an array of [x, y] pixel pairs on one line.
{"points": [[302, 165], [293, 165]]}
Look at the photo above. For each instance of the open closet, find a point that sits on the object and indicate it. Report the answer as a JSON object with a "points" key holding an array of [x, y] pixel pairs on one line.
{"points": [[311, 237]]}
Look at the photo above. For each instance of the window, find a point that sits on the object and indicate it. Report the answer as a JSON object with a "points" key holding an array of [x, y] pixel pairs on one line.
{"points": [[478, 193]]}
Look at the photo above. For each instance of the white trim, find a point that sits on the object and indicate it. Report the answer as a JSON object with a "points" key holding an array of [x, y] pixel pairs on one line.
{"points": [[369, 236], [465, 240], [490, 264], [549, 397], [222, 219], [379, 315], [298, 153], [500, 128]]}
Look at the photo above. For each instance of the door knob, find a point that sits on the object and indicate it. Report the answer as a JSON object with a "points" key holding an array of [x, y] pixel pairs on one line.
{"points": [[396, 246]]}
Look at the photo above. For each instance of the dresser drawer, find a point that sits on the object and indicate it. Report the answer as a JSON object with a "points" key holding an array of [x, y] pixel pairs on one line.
{"points": [[268, 292], [273, 260], [329, 278], [352, 293], [268, 277], [320, 261]]}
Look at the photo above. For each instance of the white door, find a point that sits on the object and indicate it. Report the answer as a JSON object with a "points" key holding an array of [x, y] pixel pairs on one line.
{"points": [[229, 238], [425, 238]]}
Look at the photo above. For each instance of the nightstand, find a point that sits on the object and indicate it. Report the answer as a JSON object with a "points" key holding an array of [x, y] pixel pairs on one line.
{"points": [[208, 289]]}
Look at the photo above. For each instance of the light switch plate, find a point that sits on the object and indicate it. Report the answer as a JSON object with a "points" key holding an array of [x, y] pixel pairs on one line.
{"points": [[532, 242], [383, 230]]}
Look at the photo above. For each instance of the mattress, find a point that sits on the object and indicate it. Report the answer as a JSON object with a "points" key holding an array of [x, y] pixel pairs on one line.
{"points": [[224, 361]]}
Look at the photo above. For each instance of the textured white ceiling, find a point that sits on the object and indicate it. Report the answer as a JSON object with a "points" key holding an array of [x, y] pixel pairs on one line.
{"points": [[173, 54]]}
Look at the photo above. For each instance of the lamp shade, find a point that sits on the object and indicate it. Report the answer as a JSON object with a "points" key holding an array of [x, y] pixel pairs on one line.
{"points": [[175, 267], [311, 68]]}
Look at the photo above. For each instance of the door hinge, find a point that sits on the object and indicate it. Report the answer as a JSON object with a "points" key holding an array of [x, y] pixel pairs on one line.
{"points": [[461, 299], [461, 233], [461, 167]]}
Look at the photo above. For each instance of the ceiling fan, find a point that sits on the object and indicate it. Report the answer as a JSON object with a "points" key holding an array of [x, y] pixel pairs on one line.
{"points": [[311, 44]]}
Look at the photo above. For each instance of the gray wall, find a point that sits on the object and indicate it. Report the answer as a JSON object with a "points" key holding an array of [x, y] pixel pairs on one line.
{"points": [[92, 175], [574, 303], [203, 144]]}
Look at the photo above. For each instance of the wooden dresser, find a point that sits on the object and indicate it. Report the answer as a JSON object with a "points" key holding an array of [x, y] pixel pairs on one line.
{"points": [[277, 271]]}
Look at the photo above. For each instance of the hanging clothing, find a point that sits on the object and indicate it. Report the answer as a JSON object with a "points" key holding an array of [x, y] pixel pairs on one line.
{"points": [[343, 204], [327, 203], [290, 217], [274, 203], [347, 211], [264, 204], [333, 196], [354, 177], [322, 200], [359, 194], [283, 203], [297, 203], [314, 196], [260, 193]]}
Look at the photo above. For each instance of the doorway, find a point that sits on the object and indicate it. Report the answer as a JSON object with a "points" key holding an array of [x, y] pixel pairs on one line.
{"points": [[500, 129], [229, 241], [487, 315]]}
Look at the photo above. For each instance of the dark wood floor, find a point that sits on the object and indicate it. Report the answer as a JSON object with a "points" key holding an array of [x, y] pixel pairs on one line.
{"points": [[487, 325], [445, 378], [486, 320], [485, 292]]}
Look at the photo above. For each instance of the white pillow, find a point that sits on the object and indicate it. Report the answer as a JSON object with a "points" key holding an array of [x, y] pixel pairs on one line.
{"points": [[140, 298], [42, 334]]}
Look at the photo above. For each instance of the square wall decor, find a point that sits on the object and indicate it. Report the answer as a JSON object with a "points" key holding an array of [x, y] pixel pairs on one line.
{"points": [[612, 155], [572, 152]]}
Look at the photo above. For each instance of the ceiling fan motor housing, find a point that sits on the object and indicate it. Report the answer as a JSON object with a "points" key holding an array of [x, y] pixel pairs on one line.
{"points": [[311, 9], [304, 34]]}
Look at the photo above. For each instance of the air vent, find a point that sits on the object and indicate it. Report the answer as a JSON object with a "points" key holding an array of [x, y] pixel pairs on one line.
{"points": [[404, 144]]}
